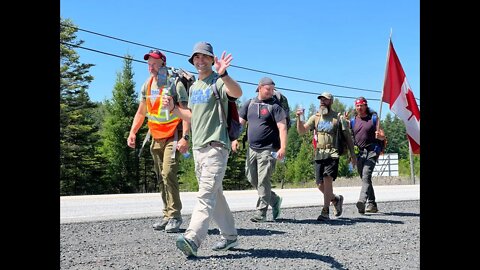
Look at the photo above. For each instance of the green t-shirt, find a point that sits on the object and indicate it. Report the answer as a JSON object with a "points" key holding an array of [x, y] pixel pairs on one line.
{"points": [[205, 122]]}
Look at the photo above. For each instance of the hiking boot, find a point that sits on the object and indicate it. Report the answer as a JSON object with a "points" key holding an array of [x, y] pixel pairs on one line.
{"points": [[225, 244], [276, 208], [324, 215], [338, 207], [371, 208], [173, 225], [361, 207], [186, 246], [259, 218], [160, 226]]}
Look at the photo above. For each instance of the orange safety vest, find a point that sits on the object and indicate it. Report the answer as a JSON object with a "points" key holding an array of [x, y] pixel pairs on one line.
{"points": [[158, 124]]}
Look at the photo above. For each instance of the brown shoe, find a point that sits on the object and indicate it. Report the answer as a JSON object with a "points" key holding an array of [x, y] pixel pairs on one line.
{"points": [[324, 215], [361, 207], [371, 208]]}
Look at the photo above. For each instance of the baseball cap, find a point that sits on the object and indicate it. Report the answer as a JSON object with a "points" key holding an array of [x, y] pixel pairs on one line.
{"points": [[326, 95], [155, 54], [360, 101], [265, 81], [203, 48]]}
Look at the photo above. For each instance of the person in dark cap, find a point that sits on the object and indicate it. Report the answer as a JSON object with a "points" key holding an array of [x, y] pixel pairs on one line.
{"points": [[211, 146], [369, 140], [165, 146], [267, 133], [325, 124]]}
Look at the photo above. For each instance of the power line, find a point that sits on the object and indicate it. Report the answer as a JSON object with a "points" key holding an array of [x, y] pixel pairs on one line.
{"points": [[194, 72], [240, 67]]}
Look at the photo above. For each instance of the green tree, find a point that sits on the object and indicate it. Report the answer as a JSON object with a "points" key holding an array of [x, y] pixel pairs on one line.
{"points": [[123, 162], [81, 165]]}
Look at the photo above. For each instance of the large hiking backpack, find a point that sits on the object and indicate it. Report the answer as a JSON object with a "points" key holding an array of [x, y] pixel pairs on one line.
{"points": [[184, 77], [231, 117], [340, 142], [283, 102], [181, 76], [381, 144]]}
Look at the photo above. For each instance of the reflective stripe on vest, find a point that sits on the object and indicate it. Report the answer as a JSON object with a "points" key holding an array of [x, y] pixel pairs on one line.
{"points": [[159, 125]]}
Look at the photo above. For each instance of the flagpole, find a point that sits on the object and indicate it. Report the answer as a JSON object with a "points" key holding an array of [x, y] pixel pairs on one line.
{"points": [[384, 78], [412, 172]]}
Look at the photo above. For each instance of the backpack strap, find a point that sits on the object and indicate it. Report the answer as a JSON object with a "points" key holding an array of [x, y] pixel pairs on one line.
{"points": [[221, 110]]}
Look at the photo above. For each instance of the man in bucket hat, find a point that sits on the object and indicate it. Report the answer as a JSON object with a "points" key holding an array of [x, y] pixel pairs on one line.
{"points": [[211, 146], [325, 124]]}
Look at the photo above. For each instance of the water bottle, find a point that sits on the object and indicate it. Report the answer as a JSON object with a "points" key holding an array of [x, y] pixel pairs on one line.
{"points": [[165, 97], [275, 155], [302, 116], [186, 154]]}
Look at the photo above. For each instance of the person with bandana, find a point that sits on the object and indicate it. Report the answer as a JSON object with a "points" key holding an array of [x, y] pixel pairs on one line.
{"points": [[325, 124], [369, 141]]}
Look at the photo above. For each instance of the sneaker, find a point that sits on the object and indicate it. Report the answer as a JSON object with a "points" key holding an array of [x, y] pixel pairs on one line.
{"points": [[173, 225], [371, 208], [324, 215], [225, 244], [160, 226], [361, 207], [337, 209], [276, 208], [187, 246], [258, 218]]}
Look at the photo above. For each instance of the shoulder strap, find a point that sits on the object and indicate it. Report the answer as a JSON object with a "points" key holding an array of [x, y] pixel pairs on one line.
{"points": [[317, 119], [352, 122], [221, 111], [374, 120]]}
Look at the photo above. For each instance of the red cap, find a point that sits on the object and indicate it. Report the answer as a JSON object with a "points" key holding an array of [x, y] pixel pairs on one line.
{"points": [[155, 54]]}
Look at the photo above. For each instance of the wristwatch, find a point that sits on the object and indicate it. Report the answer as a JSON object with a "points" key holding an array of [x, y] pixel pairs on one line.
{"points": [[186, 137], [224, 74]]}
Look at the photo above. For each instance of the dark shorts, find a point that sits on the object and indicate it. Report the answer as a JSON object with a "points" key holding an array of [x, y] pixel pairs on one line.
{"points": [[326, 167]]}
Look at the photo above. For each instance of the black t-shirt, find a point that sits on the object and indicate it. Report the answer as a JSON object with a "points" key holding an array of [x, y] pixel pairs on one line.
{"points": [[262, 130]]}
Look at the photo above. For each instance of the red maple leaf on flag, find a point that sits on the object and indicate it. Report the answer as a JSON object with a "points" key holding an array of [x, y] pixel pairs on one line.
{"points": [[412, 105], [397, 93]]}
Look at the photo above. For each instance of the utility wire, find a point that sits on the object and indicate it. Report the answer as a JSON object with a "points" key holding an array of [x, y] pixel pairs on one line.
{"points": [[240, 67], [239, 81]]}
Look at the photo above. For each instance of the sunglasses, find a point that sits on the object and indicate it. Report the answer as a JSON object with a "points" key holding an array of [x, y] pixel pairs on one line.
{"points": [[155, 52]]}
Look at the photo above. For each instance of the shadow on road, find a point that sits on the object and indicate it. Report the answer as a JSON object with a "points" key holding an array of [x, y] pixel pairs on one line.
{"points": [[274, 253], [249, 232], [341, 221]]}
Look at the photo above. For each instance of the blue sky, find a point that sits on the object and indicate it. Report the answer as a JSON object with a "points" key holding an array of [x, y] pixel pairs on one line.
{"points": [[340, 43]]}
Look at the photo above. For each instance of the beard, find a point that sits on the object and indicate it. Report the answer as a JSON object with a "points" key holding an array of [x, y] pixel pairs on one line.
{"points": [[324, 110]]}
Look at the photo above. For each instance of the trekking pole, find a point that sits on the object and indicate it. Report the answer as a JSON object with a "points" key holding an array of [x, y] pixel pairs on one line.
{"points": [[147, 138]]}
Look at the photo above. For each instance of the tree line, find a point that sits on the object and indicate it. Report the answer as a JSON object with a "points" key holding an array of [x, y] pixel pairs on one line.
{"points": [[95, 158]]}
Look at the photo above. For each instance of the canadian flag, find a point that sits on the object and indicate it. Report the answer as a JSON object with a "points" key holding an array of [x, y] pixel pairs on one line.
{"points": [[397, 93]]}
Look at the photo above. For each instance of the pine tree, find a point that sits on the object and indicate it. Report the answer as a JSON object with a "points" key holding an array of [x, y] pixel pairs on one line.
{"points": [[80, 163], [123, 162]]}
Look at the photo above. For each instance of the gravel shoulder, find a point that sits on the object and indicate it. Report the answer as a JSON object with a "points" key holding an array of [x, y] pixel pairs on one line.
{"points": [[389, 239]]}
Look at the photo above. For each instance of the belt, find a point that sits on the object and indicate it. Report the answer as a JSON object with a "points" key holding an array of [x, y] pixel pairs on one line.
{"points": [[216, 144]]}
